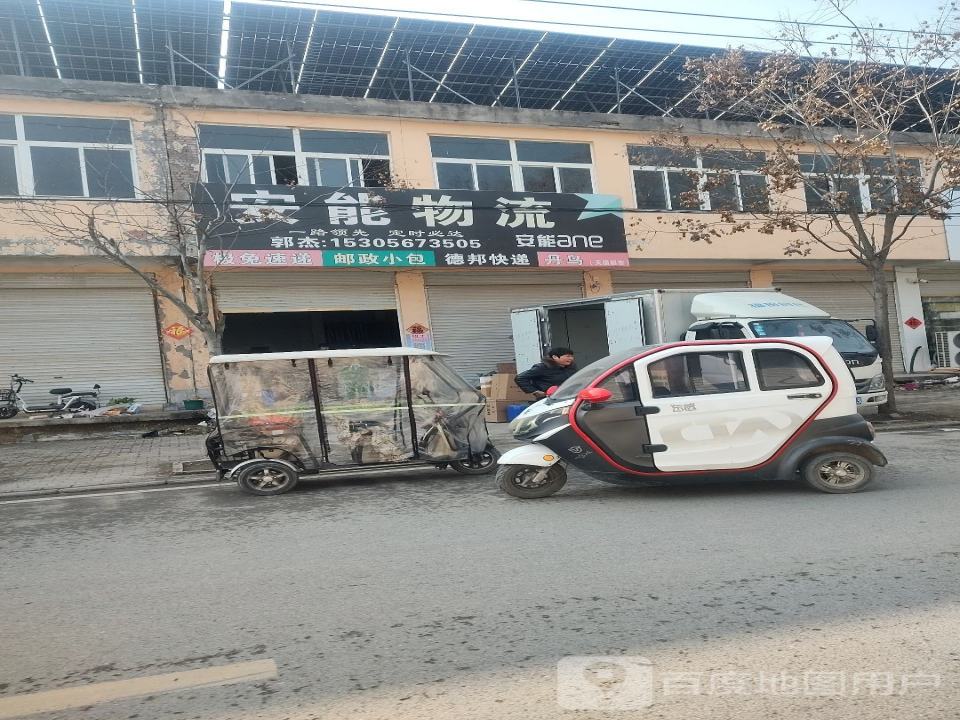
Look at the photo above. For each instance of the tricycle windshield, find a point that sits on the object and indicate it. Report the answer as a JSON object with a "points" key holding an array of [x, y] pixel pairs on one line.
{"points": [[586, 375], [348, 410]]}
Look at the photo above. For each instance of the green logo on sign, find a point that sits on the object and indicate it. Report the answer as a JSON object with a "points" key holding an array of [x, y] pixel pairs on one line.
{"points": [[378, 258]]}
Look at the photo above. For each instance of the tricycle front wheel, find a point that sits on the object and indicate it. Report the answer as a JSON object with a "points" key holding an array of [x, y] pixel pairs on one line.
{"points": [[267, 477], [481, 463], [529, 481], [837, 472]]}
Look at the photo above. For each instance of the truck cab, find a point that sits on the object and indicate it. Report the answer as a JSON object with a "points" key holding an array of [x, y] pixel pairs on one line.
{"points": [[734, 315]]}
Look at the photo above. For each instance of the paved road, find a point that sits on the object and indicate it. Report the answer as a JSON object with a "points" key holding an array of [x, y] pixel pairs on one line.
{"points": [[435, 597]]}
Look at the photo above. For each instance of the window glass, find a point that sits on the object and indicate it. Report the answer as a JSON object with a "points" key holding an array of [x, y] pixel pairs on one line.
{"points": [[376, 173], [815, 163], [238, 168], [653, 156], [8, 128], [56, 171], [553, 152], [650, 192], [882, 194], [851, 188], [707, 373], [575, 180], [717, 159], [338, 142], [785, 370], [233, 137], [815, 189], [79, 130], [494, 177], [330, 172], [724, 331], [261, 170], [8, 171], [455, 176], [109, 174], [846, 338], [214, 166], [683, 191], [754, 193], [470, 148], [538, 179], [722, 191], [623, 386]]}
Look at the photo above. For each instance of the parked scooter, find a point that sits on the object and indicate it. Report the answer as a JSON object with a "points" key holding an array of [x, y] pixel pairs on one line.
{"points": [[67, 400]]}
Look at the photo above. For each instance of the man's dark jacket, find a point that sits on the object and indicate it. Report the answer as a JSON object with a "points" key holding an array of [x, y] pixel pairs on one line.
{"points": [[543, 376]]}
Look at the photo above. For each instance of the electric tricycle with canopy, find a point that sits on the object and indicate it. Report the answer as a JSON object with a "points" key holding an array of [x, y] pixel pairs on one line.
{"points": [[281, 416], [764, 409]]}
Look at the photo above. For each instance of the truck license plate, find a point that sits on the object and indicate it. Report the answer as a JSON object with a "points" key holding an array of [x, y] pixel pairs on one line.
{"points": [[859, 400]]}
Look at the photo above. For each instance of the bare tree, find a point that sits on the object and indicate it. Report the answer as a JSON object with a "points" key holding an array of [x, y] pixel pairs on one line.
{"points": [[859, 142]]}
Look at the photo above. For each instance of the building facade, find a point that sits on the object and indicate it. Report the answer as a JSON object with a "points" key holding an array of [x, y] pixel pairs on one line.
{"points": [[70, 315]]}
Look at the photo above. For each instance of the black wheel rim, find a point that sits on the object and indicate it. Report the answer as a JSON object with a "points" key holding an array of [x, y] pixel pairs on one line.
{"points": [[478, 461]]}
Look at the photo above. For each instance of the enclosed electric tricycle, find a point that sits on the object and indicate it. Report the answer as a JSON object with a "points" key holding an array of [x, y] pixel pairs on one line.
{"points": [[764, 409], [281, 416]]}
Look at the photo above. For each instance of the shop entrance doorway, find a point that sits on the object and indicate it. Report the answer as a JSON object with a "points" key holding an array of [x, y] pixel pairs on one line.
{"points": [[292, 331]]}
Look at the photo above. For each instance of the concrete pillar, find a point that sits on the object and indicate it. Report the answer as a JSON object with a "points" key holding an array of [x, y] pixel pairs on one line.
{"points": [[414, 310], [597, 283], [184, 356], [761, 277], [909, 306]]}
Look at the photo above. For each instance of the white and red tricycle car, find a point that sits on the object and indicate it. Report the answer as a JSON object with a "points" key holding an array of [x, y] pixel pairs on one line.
{"points": [[764, 409]]}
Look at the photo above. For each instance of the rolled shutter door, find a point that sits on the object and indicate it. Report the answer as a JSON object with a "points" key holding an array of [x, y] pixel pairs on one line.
{"points": [[306, 291], [74, 331], [470, 312], [627, 281]]}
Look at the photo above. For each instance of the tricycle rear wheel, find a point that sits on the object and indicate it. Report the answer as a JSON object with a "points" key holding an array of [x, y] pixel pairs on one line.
{"points": [[481, 463], [267, 477], [837, 472], [529, 482]]}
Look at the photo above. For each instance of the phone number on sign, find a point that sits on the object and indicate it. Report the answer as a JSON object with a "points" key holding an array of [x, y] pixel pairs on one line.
{"points": [[361, 243]]}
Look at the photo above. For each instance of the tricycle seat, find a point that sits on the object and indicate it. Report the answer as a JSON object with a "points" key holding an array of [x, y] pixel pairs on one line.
{"points": [[61, 391]]}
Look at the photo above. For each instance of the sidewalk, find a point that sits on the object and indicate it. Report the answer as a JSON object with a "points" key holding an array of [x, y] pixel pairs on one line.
{"points": [[129, 460]]}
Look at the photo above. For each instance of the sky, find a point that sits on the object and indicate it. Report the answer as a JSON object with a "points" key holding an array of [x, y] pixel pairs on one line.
{"points": [[654, 26]]}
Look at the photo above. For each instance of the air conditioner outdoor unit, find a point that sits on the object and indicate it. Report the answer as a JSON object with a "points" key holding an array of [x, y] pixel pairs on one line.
{"points": [[947, 348]]}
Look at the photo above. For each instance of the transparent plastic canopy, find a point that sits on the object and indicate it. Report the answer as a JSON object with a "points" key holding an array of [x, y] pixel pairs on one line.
{"points": [[355, 410]]}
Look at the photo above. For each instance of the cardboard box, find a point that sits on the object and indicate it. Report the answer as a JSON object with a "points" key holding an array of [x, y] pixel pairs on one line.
{"points": [[507, 368], [496, 411], [502, 387]]}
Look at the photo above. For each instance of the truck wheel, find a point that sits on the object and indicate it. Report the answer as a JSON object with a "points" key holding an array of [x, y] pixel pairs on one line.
{"points": [[528, 481], [481, 463], [837, 472], [266, 477]]}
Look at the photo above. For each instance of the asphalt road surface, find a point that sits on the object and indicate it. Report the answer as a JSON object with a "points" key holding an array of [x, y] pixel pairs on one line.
{"points": [[434, 596]]}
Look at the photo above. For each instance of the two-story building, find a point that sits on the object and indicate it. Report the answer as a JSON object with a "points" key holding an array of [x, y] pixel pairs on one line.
{"points": [[66, 312]]}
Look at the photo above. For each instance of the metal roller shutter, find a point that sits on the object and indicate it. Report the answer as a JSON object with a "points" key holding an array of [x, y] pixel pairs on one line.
{"points": [[627, 281], [470, 312], [843, 295], [940, 282], [66, 331], [309, 290]]}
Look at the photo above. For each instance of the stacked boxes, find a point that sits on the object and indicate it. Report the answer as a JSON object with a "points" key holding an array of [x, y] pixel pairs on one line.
{"points": [[502, 391]]}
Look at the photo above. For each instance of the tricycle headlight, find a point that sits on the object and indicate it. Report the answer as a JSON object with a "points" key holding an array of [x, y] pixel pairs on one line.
{"points": [[876, 383], [536, 416]]}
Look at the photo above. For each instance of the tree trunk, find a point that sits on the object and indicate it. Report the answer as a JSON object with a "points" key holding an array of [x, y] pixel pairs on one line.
{"points": [[881, 309], [214, 341]]}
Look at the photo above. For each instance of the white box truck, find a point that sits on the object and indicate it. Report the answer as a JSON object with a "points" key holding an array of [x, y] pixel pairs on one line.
{"points": [[597, 327]]}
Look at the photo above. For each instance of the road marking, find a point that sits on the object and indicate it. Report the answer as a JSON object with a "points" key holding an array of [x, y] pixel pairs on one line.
{"points": [[83, 695], [81, 495]]}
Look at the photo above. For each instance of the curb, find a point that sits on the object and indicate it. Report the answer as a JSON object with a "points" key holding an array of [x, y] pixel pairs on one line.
{"points": [[86, 489]]}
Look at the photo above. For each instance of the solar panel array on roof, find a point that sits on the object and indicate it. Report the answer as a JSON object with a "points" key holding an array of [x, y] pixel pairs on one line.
{"points": [[273, 47]]}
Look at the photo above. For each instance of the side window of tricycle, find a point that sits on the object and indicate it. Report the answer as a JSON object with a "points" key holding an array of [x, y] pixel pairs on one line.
{"points": [[785, 370], [704, 373], [622, 386]]}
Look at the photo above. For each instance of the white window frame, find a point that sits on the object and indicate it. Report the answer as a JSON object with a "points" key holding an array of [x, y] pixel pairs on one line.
{"points": [[863, 183], [24, 161], [516, 166], [301, 157], [702, 173]]}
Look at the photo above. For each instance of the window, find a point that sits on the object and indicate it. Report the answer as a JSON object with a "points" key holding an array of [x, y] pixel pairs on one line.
{"points": [[283, 156], [623, 386], [846, 338], [688, 179], [707, 373], [719, 331], [785, 370], [66, 157], [512, 165], [869, 187]]}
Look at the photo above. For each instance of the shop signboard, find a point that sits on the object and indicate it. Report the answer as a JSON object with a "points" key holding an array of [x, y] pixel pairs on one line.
{"points": [[253, 226]]}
